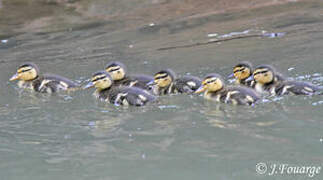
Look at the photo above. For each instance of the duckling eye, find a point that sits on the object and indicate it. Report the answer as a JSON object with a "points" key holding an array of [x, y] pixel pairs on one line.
{"points": [[161, 77], [260, 72], [211, 81], [114, 69], [99, 78], [239, 70], [25, 70]]}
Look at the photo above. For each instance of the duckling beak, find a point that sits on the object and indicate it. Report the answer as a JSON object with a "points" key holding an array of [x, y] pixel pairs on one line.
{"points": [[200, 90], [89, 85], [151, 83], [231, 75], [14, 77], [250, 78]]}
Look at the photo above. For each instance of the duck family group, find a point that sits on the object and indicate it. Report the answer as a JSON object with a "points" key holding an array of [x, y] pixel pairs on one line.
{"points": [[115, 86]]}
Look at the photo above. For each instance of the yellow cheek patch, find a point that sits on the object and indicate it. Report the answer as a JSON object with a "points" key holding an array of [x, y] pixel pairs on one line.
{"points": [[163, 82], [256, 77], [103, 83], [204, 83]]}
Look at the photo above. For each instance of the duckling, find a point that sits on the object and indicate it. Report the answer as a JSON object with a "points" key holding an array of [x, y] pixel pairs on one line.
{"points": [[30, 78], [117, 71], [165, 82], [215, 89], [242, 72], [267, 80], [117, 95]]}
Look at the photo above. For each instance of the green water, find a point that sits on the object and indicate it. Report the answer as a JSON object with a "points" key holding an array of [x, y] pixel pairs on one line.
{"points": [[73, 136]]}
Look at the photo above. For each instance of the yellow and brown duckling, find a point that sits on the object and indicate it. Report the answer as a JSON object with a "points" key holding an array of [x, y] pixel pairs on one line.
{"points": [[165, 82], [242, 72], [118, 72], [214, 89], [266, 80], [117, 95], [30, 78]]}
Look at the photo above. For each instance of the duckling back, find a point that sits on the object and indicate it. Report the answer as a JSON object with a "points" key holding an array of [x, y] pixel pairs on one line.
{"points": [[298, 88], [135, 96], [49, 83], [126, 96], [139, 81], [241, 95], [55, 83], [187, 84], [249, 83]]}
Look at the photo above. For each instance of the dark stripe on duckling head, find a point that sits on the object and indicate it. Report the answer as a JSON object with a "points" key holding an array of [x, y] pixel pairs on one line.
{"points": [[244, 64], [25, 69], [260, 72], [277, 75], [213, 78], [28, 66], [113, 65], [167, 72], [218, 76], [161, 76], [239, 70], [267, 67], [112, 69], [100, 75]]}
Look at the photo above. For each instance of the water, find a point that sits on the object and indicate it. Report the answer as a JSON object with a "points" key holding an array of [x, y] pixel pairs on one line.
{"points": [[73, 136]]}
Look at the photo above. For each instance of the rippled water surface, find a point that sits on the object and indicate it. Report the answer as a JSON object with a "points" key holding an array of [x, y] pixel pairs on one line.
{"points": [[73, 136]]}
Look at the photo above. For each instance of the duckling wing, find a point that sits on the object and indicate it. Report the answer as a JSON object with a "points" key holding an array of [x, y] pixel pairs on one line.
{"points": [[300, 88], [139, 81], [187, 84], [62, 80], [142, 78], [241, 95], [133, 96], [250, 83]]}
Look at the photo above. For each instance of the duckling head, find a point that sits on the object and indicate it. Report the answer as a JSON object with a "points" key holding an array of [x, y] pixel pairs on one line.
{"points": [[26, 72], [242, 70], [164, 78], [211, 83], [264, 74], [116, 69], [100, 80]]}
